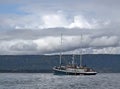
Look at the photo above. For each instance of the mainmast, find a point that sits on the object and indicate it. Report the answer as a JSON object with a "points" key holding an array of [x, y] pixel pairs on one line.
{"points": [[73, 59], [81, 53], [61, 51]]}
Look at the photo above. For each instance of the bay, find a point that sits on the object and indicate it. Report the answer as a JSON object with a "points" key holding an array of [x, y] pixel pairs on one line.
{"points": [[50, 81]]}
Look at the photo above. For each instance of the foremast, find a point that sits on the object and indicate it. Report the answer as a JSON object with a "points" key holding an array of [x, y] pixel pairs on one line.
{"points": [[60, 61]]}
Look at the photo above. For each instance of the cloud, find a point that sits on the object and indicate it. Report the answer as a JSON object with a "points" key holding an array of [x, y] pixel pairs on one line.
{"points": [[51, 44], [81, 22], [53, 21], [58, 20], [38, 30], [105, 41]]}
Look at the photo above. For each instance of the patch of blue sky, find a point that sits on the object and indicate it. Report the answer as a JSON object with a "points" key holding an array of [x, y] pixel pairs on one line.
{"points": [[11, 9]]}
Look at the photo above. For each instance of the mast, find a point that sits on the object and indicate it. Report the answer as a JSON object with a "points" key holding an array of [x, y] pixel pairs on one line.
{"points": [[73, 59], [60, 51], [81, 53]]}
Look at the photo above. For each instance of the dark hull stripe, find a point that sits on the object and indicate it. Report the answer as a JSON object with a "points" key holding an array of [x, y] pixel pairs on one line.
{"points": [[70, 73]]}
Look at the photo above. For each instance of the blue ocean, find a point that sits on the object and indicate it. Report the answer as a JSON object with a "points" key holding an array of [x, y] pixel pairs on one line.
{"points": [[50, 81]]}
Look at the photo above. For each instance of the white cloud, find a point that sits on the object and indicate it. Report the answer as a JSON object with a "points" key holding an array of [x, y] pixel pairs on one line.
{"points": [[108, 50], [58, 20], [47, 44], [81, 22], [53, 21]]}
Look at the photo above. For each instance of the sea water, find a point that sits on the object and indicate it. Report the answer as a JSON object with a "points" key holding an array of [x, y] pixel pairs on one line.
{"points": [[50, 81]]}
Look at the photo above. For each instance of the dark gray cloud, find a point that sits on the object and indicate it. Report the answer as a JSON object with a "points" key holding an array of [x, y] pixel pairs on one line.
{"points": [[45, 41]]}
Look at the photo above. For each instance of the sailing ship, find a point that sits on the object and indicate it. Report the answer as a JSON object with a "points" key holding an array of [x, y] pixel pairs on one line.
{"points": [[72, 69]]}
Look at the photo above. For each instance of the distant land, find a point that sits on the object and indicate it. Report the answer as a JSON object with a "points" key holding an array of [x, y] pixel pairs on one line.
{"points": [[104, 63]]}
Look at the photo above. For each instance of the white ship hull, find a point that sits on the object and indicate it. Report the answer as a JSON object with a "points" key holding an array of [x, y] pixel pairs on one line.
{"points": [[73, 71]]}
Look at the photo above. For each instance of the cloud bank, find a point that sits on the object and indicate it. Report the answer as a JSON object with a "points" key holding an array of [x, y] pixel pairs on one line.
{"points": [[36, 26]]}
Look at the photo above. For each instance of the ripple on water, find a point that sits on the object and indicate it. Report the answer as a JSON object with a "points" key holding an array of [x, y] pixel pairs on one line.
{"points": [[50, 81]]}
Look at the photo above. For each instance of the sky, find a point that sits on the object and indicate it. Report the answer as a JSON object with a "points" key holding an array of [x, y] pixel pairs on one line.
{"points": [[35, 26]]}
